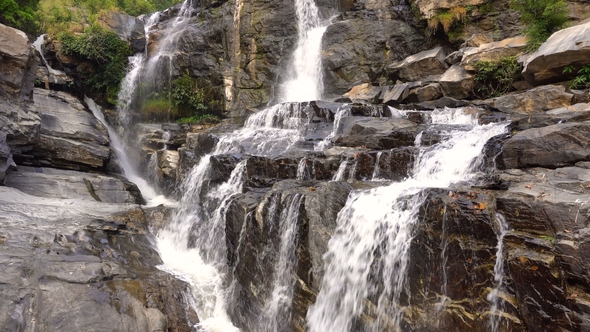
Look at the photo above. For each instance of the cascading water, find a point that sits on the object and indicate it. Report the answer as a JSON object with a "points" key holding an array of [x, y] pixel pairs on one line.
{"points": [[38, 44], [380, 220], [277, 310], [494, 295], [304, 80], [146, 189]]}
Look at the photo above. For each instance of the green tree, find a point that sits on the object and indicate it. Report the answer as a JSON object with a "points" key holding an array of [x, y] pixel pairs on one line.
{"points": [[19, 15], [540, 18]]}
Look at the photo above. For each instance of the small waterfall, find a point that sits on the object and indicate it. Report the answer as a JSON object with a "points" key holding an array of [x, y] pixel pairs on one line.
{"points": [[341, 172], [277, 310], [304, 81], [493, 296], [38, 44], [147, 191], [374, 232], [302, 171]]}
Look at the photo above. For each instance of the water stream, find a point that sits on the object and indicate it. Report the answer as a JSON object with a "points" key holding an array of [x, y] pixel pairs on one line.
{"points": [[381, 220]]}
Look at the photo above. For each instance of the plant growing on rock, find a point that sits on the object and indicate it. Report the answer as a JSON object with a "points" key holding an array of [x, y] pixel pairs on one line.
{"points": [[580, 81], [447, 19], [493, 78], [540, 18], [104, 49]]}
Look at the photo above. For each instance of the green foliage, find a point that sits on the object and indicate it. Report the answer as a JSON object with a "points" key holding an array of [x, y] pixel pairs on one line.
{"points": [[19, 14], [187, 95], [197, 119], [58, 16], [157, 108], [189, 99], [582, 79], [540, 18], [447, 19], [107, 51], [493, 78]]}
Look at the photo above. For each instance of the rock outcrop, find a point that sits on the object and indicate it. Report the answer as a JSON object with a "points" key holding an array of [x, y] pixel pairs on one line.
{"points": [[567, 47], [70, 136]]}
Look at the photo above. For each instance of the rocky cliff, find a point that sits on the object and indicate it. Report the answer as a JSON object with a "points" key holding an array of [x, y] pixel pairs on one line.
{"points": [[74, 233]]}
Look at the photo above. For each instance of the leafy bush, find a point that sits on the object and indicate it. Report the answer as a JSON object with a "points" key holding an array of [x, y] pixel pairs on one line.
{"points": [[540, 18], [582, 79], [107, 51], [187, 95], [18, 14], [198, 119], [493, 78]]}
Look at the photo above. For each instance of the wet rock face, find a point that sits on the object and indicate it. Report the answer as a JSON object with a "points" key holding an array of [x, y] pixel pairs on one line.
{"points": [[80, 255]]}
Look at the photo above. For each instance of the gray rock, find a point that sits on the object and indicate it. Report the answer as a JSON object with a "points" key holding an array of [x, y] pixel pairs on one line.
{"points": [[5, 157], [18, 63], [456, 82], [54, 183], [128, 28], [552, 146], [71, 137], [63, 115], [360, 43], [420, 65], [493, 51], [21, 124], [376, 133], [82, 254], [431, 91], [396, 94], [567, 47], [536, 100]]}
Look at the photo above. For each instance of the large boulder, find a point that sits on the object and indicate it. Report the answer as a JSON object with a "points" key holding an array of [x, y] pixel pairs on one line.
{"points": [[128, 28], [420, 65], [71, 137], [17, 62], [493, 51], [567, 47], [558, 145], [536, 100]]}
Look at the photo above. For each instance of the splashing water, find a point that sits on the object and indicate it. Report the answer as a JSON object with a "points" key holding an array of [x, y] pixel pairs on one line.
{"points": [[381, 220]]}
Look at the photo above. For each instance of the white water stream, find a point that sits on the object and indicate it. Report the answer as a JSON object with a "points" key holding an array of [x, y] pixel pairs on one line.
{"points": [[381, 219]]}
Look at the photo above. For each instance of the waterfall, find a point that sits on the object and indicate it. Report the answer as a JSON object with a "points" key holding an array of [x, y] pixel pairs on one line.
{"points": [[38, 44], [147, 191], [493, 296], [277, 309], [380, 221], [304, 80]]}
